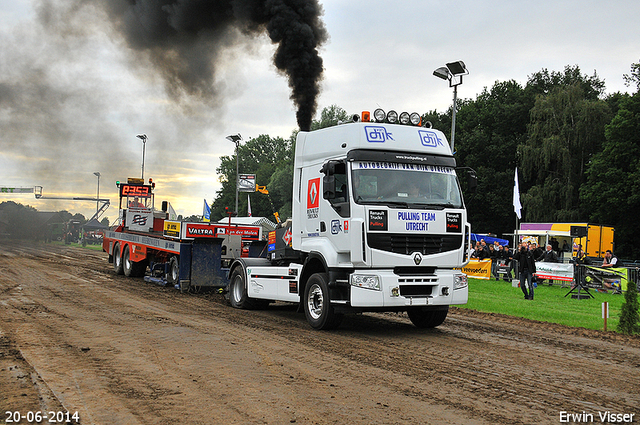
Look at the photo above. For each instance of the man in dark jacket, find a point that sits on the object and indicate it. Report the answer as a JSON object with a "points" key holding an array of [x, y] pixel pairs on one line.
{"points": [[548, 256], [526, 267], [505, 256]]}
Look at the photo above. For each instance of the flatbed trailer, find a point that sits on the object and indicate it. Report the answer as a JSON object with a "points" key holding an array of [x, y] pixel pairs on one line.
{"points": [[183, 254]]}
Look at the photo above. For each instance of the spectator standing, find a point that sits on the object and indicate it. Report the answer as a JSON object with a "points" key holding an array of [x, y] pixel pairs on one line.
{"points": [[578, 269], [549, 256], [505, 255], [481, 254], [526, 268], [537, 251], [581, 257], [493, 256]]}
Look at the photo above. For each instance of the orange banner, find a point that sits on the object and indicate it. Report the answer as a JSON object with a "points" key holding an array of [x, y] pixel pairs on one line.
{"points": [[478, 269]]}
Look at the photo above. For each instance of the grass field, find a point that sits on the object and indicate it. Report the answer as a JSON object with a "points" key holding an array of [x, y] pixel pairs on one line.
{"points": [[549, 304]]}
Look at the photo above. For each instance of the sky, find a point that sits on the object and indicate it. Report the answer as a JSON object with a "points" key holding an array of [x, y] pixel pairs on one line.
{"points": [[75, 91]]}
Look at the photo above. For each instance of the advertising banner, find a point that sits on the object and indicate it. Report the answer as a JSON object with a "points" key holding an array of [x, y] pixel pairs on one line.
{"points": [[246, 183], [554, 271], [202, 230], [617, 276], [139, 219], [478, 269]]}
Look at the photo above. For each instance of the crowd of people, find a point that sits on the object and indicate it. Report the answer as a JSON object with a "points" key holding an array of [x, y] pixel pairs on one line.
{"points": [[497, 252], [526, 255]]}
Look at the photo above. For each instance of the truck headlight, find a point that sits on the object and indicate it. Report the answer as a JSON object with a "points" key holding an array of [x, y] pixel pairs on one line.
{"points": [[460, 281], [365, 281]]}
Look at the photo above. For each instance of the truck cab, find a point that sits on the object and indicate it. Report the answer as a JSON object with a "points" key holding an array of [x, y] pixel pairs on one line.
{"points": [[379, 224]]}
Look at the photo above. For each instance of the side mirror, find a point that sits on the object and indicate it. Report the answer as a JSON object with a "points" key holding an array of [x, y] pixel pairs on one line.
{"points": [[329, 187], [472, 181]]}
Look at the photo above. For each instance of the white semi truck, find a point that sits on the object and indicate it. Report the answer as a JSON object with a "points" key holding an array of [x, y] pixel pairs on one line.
{"points": [[378, 224]]}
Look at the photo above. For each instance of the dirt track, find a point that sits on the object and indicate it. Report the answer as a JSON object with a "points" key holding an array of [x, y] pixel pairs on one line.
{"points": [[76, 337]]}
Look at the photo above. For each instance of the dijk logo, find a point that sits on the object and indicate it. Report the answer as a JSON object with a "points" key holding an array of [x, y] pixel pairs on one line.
{"points": [[377, 134], [430, 138]]}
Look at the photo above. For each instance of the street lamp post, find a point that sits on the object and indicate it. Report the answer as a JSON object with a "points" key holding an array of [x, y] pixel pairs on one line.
{"points": [[236, 139], [143, 137], [97, 174], [452, 72]]}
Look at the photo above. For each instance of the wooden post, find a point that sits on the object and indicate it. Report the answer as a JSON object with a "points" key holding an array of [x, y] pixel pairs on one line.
{"points": [[605, 313]]}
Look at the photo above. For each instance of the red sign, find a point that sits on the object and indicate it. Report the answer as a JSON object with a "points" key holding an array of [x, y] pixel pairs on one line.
{"points": [[313, 193], [197, 230], [135, 190], [287, 237]]}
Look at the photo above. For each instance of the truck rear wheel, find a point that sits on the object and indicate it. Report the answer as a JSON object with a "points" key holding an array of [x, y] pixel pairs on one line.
{"points": [[427, 318], [317, 303], [131, 268], [117, 259]]}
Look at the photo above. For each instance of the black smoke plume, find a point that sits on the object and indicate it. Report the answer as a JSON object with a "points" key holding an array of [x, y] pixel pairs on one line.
{"points": [[184, 39]]}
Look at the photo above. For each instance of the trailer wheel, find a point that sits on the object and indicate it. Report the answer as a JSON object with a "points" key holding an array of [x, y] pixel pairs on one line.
{"points": [[427, 318], [317, 303], [131, 268], [117, 260], [173, 276]]}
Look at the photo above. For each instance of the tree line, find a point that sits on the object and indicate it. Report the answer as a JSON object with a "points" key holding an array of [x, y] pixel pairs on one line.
{"points": [[26, 222], [576, 149]]}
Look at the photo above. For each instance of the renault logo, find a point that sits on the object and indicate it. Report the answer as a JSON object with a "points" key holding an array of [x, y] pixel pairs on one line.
{"points": [[417, 258]]}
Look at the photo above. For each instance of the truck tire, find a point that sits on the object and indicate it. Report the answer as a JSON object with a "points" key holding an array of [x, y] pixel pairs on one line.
{"points": [[427, 318], [117, 260], [173, 275], [317, 303], [238, 297], [131, 268]]}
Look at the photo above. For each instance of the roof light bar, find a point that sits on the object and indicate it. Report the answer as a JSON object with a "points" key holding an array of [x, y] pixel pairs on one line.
{"points": [[379, 115], [391, 117]]}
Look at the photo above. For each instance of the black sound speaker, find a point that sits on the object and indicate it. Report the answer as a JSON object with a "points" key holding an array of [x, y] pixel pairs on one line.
{"points": [[578, 231]]}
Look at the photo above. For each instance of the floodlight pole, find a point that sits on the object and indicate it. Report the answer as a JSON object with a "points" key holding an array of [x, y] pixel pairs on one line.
{"points": [[453, 118], [97, 174], [143, 137], [236, 139], [453, 72]]}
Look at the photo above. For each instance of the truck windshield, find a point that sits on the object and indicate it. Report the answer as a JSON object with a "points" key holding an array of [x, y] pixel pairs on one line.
{"points": [[411, 185]]}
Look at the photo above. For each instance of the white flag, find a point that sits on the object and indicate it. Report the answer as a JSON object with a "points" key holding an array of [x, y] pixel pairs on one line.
{"points": [[248, 205], [172, 213], [517, 206]]}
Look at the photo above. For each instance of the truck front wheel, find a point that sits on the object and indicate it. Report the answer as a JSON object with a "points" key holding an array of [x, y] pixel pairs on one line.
{"points": [[238, 289], [317, 303], [427, 318], [237, 295], [117, 259]]}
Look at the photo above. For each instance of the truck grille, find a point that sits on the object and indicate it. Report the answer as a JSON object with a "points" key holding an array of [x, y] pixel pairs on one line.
{"points": [[408, 244]]}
